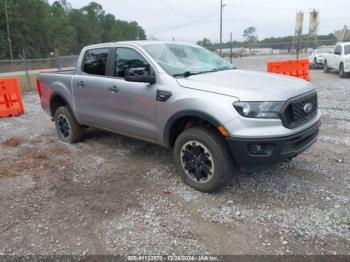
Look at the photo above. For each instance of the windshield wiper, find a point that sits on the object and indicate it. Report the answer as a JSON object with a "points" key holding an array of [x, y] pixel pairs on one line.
{"points": [[185, 74], [226, 69], [189, 73]]}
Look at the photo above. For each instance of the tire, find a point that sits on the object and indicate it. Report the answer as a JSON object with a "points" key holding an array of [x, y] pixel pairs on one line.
{"points": [[325, 67], [68, 130], [209, 147], [342, 74]]}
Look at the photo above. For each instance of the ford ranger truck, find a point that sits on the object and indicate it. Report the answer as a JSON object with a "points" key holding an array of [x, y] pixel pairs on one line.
{"points": [[218, 120]]}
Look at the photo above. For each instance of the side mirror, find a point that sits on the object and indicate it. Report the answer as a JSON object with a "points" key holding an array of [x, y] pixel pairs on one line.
{"points": [[139, 75]]}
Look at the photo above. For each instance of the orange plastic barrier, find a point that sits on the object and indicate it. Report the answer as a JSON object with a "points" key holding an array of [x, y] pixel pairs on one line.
{"points": [[10, 98], [297, 68]]}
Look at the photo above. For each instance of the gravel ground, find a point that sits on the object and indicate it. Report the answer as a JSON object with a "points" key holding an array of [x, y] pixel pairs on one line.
{"points": [[116, 195]]}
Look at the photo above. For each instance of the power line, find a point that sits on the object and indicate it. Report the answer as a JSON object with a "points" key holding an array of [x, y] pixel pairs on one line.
{"points": [[221, 10], [193, 22], [200, 21], [176, 10]]}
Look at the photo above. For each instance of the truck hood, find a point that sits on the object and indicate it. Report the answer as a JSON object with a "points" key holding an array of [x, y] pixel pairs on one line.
{"points": [[248, 85]]}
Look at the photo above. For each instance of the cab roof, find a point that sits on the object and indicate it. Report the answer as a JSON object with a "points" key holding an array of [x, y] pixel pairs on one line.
{"points": [[136, 43]]}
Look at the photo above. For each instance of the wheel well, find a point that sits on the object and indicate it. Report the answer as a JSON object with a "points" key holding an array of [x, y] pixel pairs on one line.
{"points": [[187, 122], [56, 102]]}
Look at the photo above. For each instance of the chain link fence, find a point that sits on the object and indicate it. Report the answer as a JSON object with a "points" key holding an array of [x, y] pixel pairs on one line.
{"points": [[26, 70], [37, 64]]}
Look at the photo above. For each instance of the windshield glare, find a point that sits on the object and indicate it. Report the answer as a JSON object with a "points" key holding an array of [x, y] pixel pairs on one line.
{"points": [[176, 59]]}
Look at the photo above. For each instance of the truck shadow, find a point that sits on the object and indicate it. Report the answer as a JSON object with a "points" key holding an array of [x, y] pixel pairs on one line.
{"points": [[279, 181]]}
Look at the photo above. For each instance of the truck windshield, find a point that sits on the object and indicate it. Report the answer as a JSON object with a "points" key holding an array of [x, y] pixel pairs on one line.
{"points": [[347, 49], [181, 59]]}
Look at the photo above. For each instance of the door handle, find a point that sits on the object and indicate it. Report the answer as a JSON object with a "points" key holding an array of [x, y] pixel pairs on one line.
{"points": [[114, 89], [81, 84]]}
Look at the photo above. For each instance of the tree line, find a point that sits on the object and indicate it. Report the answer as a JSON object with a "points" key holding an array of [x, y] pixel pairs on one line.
{"points": [[251, 40], [43, 29]]}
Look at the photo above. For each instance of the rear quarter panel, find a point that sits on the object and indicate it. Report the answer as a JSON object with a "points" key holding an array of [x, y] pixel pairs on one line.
{"points": [[56, 84]]}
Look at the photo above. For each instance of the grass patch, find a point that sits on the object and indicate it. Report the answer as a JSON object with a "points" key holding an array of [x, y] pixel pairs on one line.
{"points": [[12, 142], [3, 173], [23, 82]]}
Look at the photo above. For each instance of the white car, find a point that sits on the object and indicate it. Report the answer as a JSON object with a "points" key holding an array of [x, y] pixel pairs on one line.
{"points": [[339, 60], [316, 58]]}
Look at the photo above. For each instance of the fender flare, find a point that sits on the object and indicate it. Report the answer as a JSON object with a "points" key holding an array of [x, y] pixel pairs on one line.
{"points": [[186, 113], [53, 96]]}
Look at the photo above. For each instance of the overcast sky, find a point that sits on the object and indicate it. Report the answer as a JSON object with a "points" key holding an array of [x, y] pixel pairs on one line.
{"points": [[187, 20]]}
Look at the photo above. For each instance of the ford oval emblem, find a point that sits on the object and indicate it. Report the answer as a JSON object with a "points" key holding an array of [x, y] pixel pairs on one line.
{"points": [[308, 108]]}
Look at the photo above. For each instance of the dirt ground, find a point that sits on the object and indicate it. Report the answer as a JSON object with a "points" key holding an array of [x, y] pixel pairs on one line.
{"points": [[116, 195]]}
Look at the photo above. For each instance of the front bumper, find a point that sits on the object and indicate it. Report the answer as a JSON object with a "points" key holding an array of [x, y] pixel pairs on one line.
{"points": [[274, 149]]}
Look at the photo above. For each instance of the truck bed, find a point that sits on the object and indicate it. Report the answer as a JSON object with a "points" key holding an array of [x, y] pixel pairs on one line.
{"points": [[59, 82]]}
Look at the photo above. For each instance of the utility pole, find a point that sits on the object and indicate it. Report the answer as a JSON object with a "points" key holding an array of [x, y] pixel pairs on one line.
{"points": [[26, 68], [85, 12], [231, 47], [8, 31], [221, 9]]}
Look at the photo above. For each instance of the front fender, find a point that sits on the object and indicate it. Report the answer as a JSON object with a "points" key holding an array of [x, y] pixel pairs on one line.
{"points": [[213, 108]]}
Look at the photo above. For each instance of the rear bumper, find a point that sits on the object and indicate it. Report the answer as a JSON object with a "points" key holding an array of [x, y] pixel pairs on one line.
{"points": [[273, 150]]}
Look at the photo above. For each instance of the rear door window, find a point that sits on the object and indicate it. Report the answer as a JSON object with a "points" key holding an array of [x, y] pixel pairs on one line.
{"points": [[95, 61]]}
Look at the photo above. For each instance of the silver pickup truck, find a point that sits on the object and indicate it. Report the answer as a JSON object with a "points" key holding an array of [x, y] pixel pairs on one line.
{"points": [[218, 119]]}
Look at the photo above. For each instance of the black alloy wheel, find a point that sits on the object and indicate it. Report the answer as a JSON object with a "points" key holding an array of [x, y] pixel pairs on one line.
{"points": [[63, 126], [197, 162]]}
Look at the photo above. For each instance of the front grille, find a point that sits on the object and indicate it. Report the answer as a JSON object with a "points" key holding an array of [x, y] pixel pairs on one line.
{"points": [[295, 113]]}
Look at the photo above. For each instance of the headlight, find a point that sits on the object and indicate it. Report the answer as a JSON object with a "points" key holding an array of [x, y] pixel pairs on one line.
{"points": [[259, 109], [347, 60]]}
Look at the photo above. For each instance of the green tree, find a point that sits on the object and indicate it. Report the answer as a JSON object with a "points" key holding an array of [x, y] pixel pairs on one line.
{"points": [[250, 36], [94, 15], [60, 33], [206, 43], [41, 28]]}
